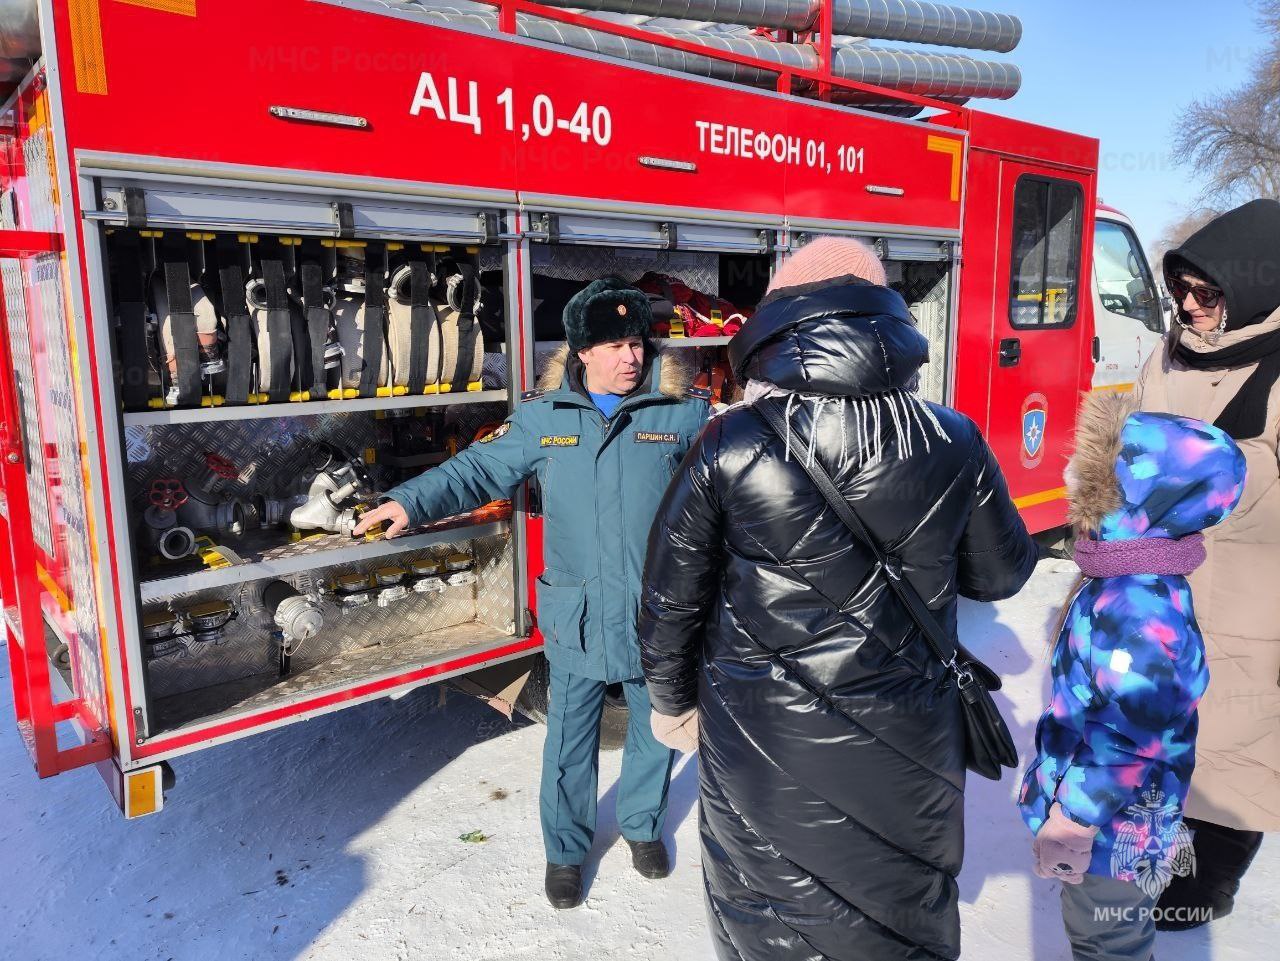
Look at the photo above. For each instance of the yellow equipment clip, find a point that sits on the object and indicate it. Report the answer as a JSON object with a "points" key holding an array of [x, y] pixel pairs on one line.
{"points": [[210, 554]]}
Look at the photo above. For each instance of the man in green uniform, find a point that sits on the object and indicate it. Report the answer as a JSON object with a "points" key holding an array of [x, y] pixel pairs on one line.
{"points": [[604, 435]]}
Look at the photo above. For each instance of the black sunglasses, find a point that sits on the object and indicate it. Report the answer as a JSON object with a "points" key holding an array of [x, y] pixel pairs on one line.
{"points": [[1206, 297]]}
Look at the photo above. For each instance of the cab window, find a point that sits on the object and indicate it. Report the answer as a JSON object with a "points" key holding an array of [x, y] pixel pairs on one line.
{"points": [[1048, 226], [1124, 280]]}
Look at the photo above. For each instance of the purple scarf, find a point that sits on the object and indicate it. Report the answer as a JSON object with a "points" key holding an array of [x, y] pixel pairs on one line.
{"points": [[1146, 555]]}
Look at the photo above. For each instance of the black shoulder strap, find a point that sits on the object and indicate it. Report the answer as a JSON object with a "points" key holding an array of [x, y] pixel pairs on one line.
{"points": [[932, 631], [375, 318], [279, 331], [421, 320], [132, 312], [468, 343], [182, 328], [239, 335], [317, 326]]}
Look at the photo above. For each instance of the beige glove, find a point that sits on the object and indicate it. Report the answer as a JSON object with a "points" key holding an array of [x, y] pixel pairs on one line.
{"points": [[680, 733], [1062, 848]]}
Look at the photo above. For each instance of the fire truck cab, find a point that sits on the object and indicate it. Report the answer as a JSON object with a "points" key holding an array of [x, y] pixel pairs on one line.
{"points": [[225, 328], [1129, 315]]}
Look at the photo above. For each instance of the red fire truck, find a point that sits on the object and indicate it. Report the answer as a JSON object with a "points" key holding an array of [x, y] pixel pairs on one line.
{"points": [[231, 232]]}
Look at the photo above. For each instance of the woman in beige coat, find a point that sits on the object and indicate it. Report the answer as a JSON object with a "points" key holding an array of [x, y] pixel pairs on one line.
{"points": [[1221, 364]]}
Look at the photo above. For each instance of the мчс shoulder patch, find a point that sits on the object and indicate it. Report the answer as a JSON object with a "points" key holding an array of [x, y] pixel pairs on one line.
{"points": [[651, 437], [494, 434], [559, 440]]}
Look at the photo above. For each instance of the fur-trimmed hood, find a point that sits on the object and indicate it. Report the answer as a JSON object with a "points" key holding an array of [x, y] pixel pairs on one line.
{"points": [[1092, 488], [674, 372], [1136, 474]]}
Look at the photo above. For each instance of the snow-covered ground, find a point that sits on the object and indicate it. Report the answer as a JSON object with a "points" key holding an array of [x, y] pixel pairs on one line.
{"points": [[340, 838]]}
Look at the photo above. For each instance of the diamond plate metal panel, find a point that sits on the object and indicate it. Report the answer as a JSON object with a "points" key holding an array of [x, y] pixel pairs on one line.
{"points": [[495, 595], [342, 672], [927, 289], [699, 270], [494, 371], [492, 258], [267, 451], [38, 161], [248, 649], [15, 306], [46, 278]]}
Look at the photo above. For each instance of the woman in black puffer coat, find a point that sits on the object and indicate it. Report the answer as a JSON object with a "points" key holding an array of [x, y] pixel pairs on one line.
{"points": [[832, 754]]}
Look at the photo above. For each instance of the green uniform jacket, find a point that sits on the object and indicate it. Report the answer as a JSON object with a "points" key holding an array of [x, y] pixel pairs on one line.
{"points": [[601, 482]]}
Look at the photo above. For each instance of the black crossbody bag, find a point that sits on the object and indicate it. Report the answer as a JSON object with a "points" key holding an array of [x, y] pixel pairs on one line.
{"points": [[988, 744]]}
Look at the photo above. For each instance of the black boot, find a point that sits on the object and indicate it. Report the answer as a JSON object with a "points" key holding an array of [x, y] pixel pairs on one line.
{"points": [[1222, 856], [650, 858], [564, 885]]}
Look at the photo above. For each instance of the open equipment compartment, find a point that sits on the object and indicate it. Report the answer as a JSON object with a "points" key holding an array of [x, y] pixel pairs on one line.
{"points": [[246, 455], [717, 274], [922, 270], [689, 270]]}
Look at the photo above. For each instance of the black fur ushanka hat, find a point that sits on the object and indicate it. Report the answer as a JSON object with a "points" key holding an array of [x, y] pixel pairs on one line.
{"points": [[606, 309]]}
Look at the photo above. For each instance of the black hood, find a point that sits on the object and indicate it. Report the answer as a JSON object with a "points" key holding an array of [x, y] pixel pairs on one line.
{"points": [[842, 338], [1240, 252]]}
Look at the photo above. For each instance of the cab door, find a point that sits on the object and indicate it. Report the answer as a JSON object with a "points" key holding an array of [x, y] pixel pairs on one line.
{"points": [[1043, 326], [1127, 316]]}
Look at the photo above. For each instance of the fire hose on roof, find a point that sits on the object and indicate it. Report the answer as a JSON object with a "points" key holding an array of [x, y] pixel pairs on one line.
{"points": [[910, 20], [952, 77]]}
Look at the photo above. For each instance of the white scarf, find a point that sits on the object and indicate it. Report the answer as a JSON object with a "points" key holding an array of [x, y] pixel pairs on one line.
{"points": [[910, 415]]}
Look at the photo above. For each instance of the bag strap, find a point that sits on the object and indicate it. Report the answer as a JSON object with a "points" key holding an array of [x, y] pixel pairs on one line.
{"points": [[929, 627]]}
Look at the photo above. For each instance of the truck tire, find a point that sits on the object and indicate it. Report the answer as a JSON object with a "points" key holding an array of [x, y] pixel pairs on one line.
{"points": [[532, 703]]}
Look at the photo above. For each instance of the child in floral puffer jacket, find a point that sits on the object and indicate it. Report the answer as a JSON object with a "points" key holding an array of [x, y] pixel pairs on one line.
{"points": [[1116, 747]]}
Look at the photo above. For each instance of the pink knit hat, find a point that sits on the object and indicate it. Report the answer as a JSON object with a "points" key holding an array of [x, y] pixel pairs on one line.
{"points": [[826, 259]]}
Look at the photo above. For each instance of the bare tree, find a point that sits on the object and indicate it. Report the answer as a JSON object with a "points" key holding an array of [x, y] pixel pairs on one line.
{"points": [[1180, 230], [1232, 139]]}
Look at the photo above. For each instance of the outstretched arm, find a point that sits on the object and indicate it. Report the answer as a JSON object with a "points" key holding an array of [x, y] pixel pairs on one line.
{"points": [[488, 470]]}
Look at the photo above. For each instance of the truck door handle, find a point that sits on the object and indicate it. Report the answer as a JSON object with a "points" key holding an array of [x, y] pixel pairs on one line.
{"points": [[1010, 352], [1097, 349]]}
